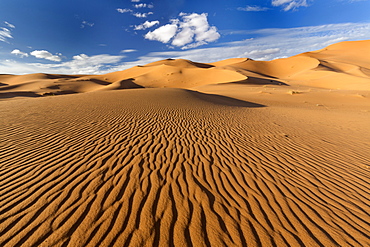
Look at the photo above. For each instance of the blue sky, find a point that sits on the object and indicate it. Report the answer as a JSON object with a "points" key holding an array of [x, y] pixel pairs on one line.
{"points": [[100, 36]]}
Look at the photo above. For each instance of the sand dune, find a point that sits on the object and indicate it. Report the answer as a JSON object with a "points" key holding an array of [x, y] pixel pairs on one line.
{"points": [[340, 66], [268, 157]]}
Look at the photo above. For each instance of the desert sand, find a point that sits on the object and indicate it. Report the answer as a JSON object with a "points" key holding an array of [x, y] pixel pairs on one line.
{"points": [[178, 153]]}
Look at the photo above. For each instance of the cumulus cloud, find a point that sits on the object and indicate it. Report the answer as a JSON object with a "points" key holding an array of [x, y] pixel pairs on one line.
{"points": [[253, 8], [124, 10], [142, 15], [46, 55], [146, 25], [191, 31], [290, 4], [163, 34], [19, 53]]}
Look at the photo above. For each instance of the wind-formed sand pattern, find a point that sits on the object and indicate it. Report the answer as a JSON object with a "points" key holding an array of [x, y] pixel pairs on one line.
{"points": [[233, 164]]}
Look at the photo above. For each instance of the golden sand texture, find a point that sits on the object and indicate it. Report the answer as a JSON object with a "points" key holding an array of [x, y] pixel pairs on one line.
{"points": [[222, 164]]}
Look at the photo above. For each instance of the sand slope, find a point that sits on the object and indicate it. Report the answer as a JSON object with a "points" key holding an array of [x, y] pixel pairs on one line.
{"points": [[244, 162]]}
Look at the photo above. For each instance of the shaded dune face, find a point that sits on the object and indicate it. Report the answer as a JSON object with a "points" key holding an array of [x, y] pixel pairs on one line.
{"points": [[340, 66], [173, 167]]}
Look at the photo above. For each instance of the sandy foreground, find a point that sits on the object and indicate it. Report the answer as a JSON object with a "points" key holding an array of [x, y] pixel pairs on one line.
{"points": [[236, 153]]}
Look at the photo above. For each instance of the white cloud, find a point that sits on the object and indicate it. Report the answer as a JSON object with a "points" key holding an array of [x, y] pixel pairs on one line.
{"points": [[268, 44], [19, 53], [85, 23], [128, 50], [253, 8], [192, 31], [46, 55], [143, 5], [140, 5], [84, 64], [135, 1], [9, 24], [262, 54], [146, 25], [5, 34], [142, 15], [290, 4], [124, 10], [80, 64], [163, 34]]}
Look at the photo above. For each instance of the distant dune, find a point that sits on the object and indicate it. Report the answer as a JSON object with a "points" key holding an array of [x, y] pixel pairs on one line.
{"points": [[231, 153], [340, 66]]}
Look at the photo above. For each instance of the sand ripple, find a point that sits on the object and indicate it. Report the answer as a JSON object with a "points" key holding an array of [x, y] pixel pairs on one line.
{"points": [[169, 167]]}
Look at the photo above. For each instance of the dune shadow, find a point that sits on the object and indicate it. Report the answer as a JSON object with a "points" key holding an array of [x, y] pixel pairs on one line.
{"points": [[7, 87], [260, 81], [100, 82], [56, 76], [18, 94], [223, 100], [128, 84], [62, 92]]}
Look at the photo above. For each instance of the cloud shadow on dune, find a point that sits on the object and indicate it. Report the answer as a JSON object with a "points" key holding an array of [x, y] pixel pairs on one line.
{"points": [[223, 100]]}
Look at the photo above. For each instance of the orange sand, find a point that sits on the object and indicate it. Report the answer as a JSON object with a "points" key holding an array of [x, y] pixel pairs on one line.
{"points": [[236, 153]]}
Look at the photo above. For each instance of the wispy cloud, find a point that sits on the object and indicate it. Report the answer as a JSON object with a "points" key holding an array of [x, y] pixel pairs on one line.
{"points": [[124, 10], [135, 1], [19, 53], [290, 4], [46, 55], [142, 15], [80, 64], [85, 23], [9, 24], [128, 51], [191, 31], [5, 32], [253, 8], [137, 14]]}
